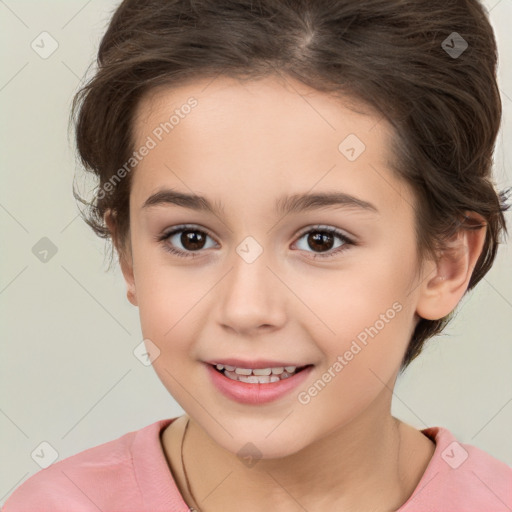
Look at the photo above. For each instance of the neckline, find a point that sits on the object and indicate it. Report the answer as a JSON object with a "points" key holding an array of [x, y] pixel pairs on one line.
{"points": [[435, 434]]}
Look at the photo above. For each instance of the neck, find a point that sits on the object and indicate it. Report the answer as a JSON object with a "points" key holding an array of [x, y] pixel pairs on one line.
{"points": [[372, 463]]}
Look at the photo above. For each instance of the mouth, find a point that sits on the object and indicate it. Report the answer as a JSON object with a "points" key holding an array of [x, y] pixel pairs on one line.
{"points": [[258, 375], [257, 385]]}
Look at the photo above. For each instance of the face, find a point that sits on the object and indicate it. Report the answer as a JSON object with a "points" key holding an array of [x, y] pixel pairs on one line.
{"points": [[330, 285]]}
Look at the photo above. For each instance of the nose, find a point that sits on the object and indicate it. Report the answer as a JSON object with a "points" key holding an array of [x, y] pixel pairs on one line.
{"points": [[252, 297]]}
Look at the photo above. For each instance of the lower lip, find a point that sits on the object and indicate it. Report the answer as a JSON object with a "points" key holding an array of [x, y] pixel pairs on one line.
{"points": [[256, 394]]}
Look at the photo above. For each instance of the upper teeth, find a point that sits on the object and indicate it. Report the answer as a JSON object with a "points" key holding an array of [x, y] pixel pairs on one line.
{"points": [[257, 371]]}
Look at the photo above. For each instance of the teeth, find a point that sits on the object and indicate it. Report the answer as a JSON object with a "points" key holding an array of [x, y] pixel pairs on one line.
{"points": [[257, 371], [262, 371], [243, 371], [257, 375], [232, 375], [254, 379]]}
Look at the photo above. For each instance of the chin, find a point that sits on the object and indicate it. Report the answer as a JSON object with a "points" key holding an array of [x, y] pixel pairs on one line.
{"points": [[260, 445]]}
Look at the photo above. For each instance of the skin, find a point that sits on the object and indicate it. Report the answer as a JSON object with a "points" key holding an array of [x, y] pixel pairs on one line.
{"points": [[246, 145]]}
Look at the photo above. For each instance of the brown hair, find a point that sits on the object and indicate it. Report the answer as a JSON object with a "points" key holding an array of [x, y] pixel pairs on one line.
{"points": [[393, 55]]}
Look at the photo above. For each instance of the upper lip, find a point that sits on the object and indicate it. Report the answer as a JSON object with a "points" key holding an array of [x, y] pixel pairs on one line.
{"points": [[254, 363]]}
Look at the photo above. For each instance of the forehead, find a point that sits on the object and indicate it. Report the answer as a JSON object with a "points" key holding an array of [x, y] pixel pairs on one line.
{"points": [[260, 136], [268, 104]]}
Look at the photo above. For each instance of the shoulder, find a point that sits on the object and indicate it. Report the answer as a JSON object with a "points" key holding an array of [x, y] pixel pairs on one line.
{"points": [[97, 478], [461, 477]]}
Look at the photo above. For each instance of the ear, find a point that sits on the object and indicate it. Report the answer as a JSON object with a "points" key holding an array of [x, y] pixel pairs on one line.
{"points": [[448, 278], [125, 259]]}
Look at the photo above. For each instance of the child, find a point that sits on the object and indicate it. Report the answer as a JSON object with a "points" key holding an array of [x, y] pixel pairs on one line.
{"points": [[232, 140]]}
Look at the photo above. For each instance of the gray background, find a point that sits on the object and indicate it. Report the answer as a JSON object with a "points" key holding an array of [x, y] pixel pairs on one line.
{"points": [[68, 373]]}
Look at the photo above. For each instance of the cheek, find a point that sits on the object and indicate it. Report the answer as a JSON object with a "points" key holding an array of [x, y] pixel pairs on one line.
{"points": [[170, 316], [365, 311], [362, 357], [352, 298], [169, 307], [169, 300]]}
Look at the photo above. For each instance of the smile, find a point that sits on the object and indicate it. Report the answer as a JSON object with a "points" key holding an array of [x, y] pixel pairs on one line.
{"points": [[258, 375], [248, 386]]}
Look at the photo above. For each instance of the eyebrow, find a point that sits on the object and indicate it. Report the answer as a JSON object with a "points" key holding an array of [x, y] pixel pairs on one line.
{"points": [[284, 205]]}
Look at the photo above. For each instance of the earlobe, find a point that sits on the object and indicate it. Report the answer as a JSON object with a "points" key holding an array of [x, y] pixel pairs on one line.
{"points": [[126, 266], [127, 270], [447, 279]]}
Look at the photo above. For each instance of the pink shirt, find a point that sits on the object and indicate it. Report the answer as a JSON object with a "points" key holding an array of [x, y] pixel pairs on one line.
{"points": [[131, 474]]}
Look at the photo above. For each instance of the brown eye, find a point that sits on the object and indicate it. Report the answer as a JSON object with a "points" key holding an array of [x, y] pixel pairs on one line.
{"points": [[192, 240], [185, 241], [322, 240]]}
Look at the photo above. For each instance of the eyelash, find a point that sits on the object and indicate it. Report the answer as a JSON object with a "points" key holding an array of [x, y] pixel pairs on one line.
{"points": [[318, 229]]}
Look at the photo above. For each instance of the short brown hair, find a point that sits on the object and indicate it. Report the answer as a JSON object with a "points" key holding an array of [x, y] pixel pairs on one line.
{"points": [[392, 55]]}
